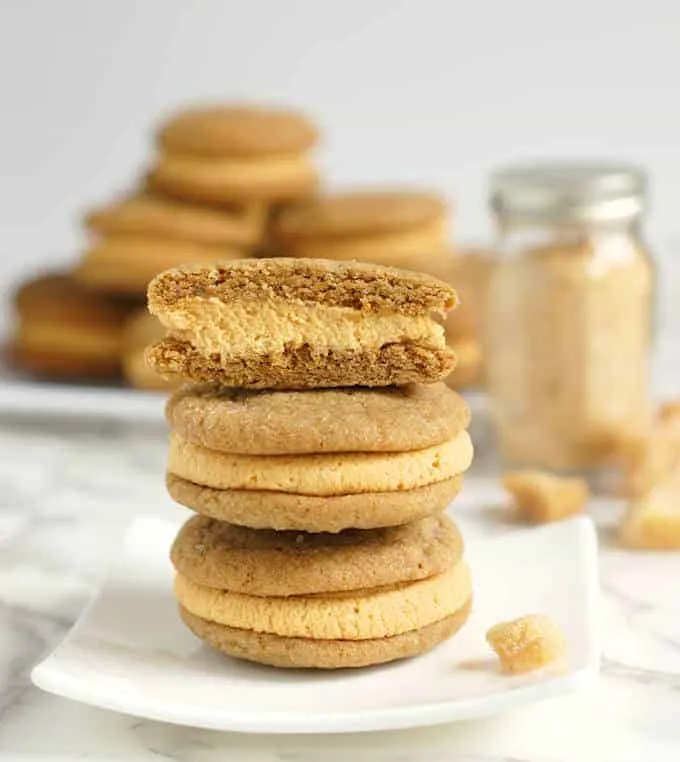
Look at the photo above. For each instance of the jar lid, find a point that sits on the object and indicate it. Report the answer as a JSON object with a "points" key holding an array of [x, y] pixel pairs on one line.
{"points": [[568, 192]]}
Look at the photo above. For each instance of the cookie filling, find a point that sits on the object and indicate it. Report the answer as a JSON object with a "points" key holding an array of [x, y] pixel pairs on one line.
{"points": [[327, 474], [217, 171], [356, 615], [214, 327]]}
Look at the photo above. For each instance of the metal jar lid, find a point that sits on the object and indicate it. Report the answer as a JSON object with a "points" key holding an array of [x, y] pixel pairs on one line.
{"points": [[566, 192]]}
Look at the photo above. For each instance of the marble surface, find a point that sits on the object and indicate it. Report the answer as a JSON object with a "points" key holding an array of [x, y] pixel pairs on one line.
{"points": [[70, 486]]}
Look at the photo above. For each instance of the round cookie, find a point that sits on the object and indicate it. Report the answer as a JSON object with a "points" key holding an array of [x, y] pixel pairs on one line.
{"points": [[236, 153], [335, 420], [359, 214], [277, 651], [66, 332], [326, 474], [401, 229], [351, 615], [125, 264], [161, 217], [229, 557], [237, 130], [286, 511]]}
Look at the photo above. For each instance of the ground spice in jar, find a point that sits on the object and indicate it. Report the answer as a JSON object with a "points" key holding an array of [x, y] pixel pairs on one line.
{"points": [[567, 336]]}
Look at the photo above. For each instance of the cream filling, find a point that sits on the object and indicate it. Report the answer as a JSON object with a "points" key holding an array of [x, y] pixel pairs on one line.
{"points": [[273, 326], [220, 171], [327, 474], [102, 341], [357, 615]]}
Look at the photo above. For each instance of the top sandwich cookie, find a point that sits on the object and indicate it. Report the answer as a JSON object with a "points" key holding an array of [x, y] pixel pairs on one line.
{"points": [[236, 153], [295, 324]]}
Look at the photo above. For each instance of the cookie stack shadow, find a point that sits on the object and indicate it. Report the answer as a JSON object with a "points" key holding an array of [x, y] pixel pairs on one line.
{"points": [[320, 538]]}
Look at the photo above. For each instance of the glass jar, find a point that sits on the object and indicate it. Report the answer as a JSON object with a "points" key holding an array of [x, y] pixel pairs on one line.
{"points": [[567, 326]]}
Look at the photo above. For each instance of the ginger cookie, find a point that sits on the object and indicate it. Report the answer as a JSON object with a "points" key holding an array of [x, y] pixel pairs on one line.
{"points": [[277, 323], [218, 555], [66, 332], [148, 215], [398, 228], [335, 420], [289, 511], [295, 653], [236, 153], [124, 264]]}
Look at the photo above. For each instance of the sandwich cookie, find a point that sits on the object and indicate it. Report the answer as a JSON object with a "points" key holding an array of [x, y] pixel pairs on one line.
{"points": [[150, 216], [66, 332], [284, 323], [232, 592], [236, 153], [401, 229], [123, 265]]}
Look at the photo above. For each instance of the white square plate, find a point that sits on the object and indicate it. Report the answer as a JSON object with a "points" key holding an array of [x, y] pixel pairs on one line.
{"points": [[130, 653]]}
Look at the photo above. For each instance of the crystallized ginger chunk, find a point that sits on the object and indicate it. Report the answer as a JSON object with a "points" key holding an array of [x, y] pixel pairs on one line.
{"points": [[653, 522], [527, 643], [542, 497], [652, 457], [670, 410]]}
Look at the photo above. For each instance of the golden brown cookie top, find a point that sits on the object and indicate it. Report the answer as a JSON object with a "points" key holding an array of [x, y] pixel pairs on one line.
{"points": [[390, 419], [262, 562], [359, 213], [237, 130], [150, 215], [364, 287], [59, 296]]}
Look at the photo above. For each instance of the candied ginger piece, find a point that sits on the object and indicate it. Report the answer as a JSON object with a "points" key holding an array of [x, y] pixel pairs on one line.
{"points": [[653, 522], [650, 458], [527, 643], [542, 497], [670, 410]]}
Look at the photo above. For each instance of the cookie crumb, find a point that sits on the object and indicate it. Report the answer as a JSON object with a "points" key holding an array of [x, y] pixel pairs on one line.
{"points": [[653, 522], [527, 643], [543, 497]]}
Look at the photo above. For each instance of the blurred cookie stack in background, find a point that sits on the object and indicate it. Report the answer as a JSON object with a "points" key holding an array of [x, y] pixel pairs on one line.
{"points": [[319, 447], [229, 182], [217, 176]]}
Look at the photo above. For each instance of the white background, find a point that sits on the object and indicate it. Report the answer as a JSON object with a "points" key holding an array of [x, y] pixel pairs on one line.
{"points": [[422, 91]]}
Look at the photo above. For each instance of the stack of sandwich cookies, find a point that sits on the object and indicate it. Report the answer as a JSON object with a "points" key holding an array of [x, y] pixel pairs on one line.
{"points": [[319, 539]]}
